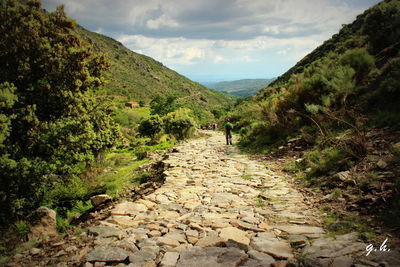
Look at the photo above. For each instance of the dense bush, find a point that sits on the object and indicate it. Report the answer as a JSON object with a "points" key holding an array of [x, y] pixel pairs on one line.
{"points": [[260, 135], [382, 25], [179, 123], [327, 161], [51, 125], [360, 60], [386, 98], [151, 126], [323, 96]]}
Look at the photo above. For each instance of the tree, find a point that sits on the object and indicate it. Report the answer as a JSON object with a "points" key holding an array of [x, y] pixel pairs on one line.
{"points": [[142, 103], [151, 127], [163, 105], [179, 123], [51, 125]]}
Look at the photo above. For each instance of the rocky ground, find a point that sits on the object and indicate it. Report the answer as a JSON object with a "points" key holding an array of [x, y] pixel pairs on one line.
{"points": [[217, 207]]}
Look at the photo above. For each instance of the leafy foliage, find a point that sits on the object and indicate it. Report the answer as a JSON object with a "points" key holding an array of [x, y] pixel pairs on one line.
{"points": [[51, 125], [179, 123], [382, 25], [327, 161], [360, 61], [151, 126], [163, 105]]}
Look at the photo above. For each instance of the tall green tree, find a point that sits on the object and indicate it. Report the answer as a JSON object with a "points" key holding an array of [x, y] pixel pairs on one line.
{"points": [[51, 125], [161, 105]]}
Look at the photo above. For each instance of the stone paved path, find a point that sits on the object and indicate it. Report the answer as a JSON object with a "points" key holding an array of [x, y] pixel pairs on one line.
{"points": [[216, 208], [220, 208]]}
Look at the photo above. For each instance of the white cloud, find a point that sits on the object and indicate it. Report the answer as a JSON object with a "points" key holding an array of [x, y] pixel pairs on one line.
{"points": [[161, 22], [282, 52], [168, 50], [249, 59], [219, 59], [266, 36], [182, 51]]}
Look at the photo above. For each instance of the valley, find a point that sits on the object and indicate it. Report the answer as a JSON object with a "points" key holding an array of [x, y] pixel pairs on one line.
{"points": [[103, 162]]}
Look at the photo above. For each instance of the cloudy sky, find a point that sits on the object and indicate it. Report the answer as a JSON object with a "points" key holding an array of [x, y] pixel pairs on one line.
{"points": [[214, 40]]}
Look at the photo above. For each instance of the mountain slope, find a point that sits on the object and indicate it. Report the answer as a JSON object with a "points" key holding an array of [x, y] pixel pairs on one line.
{"points": [[139, 77], [245, 87], [337, 114], [377, 28]]}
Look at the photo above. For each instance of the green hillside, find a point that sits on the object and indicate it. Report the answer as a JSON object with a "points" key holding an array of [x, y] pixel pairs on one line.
{"points": [[244, 87], [376, 29], [139, 77], [337, 110]]}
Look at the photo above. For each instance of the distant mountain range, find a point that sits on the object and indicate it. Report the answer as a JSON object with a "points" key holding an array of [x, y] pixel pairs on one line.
{"points": [[244, 88]]}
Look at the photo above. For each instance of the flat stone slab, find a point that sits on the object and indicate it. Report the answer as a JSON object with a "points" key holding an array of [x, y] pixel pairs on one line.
{"points": [[392, 257], [225, 197], [142, 257], [235, 234], [167, 241], [272, 246], [105, 231], [210, 241], [261, 258], [108, 254], [124, 221], [128, 208], [211, 256], [170, 259], [246, 226], [300, 229], [331, 248], [100, 199]]}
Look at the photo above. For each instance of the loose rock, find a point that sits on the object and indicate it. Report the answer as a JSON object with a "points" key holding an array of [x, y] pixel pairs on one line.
{"points": [[211, 256], [42, 224], [100, 199]]}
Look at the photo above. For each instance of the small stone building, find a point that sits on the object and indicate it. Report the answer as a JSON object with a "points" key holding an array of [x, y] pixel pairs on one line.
{"points": [[132, 104]]}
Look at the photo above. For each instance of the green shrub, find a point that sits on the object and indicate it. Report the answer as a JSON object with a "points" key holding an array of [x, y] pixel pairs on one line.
{"points": [[382, 25], [151, 127], [291, 166], [259, 135], [326, 161], [142, 103], [144, 177], [66, 195], [360, 60], [21, 228], [62, 224], [50, 121], [163, 105], [385, 118], [179, 123], [125, 118], [141, 153], [80, 207]]}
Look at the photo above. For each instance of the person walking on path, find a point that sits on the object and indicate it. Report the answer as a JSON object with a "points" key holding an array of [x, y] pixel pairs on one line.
{"points": [[228, 132]]}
